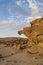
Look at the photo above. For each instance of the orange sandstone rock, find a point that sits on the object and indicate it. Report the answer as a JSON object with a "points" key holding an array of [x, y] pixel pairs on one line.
{"points": [[35, 32]]}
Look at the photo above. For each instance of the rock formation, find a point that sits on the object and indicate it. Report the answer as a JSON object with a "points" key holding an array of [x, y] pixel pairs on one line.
{"points": [[35, 32], [16, 42]]}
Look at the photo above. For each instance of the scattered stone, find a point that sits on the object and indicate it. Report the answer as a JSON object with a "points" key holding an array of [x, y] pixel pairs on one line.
{"points": [[1, 56], [35, 64]]}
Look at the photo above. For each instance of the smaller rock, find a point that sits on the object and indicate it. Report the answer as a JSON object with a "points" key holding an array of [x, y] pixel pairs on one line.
{"points": [[1, 56], [35, 64], [34, 58]]}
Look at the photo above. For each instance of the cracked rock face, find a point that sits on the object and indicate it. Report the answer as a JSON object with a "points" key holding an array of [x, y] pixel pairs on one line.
{"points": [[35, 32]]}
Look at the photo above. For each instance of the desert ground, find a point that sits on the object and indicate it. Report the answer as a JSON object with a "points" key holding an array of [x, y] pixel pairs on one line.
{"points": [[23, 54]]}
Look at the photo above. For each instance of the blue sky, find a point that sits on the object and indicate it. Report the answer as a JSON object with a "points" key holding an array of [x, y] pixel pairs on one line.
{"points": [[16, 14]]}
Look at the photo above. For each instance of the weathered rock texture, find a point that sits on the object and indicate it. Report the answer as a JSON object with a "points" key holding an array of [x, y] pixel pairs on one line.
{"points": [[14, 41], [34, 33]]}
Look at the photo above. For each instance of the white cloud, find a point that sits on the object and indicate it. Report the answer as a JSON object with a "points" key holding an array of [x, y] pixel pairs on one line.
{"points": [[11, 24], [23, 11], [29, 19], [17, 7], [34, 8], [40, 4], [18, 3], [32, 4]]}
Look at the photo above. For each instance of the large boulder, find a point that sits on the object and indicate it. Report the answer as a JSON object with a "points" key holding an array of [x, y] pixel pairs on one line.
{"points": [[35, 32]]}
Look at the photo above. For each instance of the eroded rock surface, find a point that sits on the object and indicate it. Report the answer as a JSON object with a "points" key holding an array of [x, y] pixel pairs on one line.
{"points": [[32, 54], [35, 32]]}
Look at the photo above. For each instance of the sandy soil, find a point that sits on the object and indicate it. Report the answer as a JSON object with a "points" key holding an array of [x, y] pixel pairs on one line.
{"points": [[29, 56]]}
